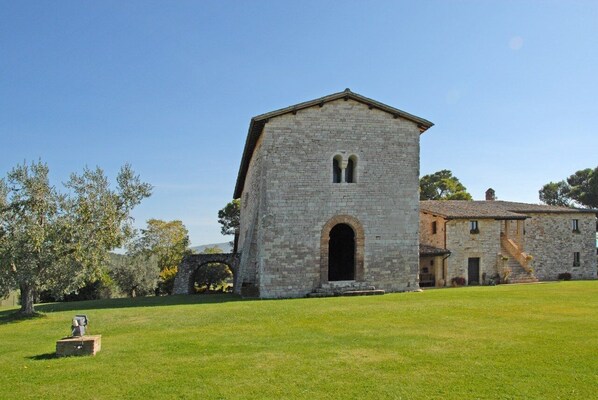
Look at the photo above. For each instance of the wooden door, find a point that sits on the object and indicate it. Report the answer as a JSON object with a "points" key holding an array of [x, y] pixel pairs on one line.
{"points": [[473, 270]]}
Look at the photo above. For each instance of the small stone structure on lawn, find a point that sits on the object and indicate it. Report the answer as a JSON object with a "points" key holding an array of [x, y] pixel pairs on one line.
{"points": [[79, 346]]}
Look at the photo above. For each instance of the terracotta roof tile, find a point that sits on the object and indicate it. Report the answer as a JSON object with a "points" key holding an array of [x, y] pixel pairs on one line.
{"points": [[457, 209], [427, 250]]}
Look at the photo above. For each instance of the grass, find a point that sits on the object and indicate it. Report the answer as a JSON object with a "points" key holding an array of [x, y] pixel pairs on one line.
{"points": [[503, 342]]}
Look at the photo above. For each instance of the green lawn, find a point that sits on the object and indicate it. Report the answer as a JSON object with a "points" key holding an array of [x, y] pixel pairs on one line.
{"points": [[504, 342]]}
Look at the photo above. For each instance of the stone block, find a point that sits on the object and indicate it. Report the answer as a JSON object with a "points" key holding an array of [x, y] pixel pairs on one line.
{"points": [[79, 346]]}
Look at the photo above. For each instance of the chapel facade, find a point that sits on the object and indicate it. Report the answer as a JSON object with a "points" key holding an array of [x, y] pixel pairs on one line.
{"points": [[329, 199]]}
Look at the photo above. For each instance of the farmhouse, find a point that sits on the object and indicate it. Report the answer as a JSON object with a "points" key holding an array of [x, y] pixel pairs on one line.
{"points": [[329, 199], [516, 242]]}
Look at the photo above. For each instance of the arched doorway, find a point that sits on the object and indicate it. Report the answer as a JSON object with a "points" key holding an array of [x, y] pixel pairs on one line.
{"points": [[341, 253], [342, 250]]}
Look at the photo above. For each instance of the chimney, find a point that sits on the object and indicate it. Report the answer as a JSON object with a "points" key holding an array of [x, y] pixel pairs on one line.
{"points": [[490, 195]]}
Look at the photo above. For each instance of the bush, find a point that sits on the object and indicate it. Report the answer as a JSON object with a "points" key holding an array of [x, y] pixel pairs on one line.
{"points": [[564, 276], [493, 280], [458, 281], [166, 282]]}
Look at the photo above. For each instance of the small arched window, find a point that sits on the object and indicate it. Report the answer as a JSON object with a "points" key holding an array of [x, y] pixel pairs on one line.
{"points": [[350, 171], [336, 170]]}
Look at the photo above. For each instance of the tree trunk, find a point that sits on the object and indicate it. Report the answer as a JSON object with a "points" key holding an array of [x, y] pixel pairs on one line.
{"points": [[27, 300]]}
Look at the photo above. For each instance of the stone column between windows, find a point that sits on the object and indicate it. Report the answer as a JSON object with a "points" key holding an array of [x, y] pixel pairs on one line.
{"points": [[343, 166]]}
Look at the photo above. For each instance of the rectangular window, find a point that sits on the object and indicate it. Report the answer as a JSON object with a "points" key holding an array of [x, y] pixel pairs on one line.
{"points": [[575, 225], [434, 227], [576, 259], [473, 227]]}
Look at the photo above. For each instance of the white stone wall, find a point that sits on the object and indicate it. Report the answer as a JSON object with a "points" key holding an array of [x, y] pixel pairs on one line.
{"points": [[550, 240], [299, 196]]}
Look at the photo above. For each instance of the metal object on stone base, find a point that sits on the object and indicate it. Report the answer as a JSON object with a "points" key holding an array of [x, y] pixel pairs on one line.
{"points": [[79, 325]]}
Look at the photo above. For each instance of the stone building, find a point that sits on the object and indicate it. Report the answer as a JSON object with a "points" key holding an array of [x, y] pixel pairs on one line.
{"points": [[518, 241], [329, 199]]}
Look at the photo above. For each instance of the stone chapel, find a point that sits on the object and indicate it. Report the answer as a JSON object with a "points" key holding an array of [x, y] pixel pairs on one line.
{"points": [[329, 199]]}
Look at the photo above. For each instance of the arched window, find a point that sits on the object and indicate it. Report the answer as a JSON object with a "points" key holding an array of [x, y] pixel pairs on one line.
{"points": [[350, 170], [336, 170]]}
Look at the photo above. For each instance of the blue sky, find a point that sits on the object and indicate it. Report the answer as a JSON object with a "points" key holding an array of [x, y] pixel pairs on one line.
{"points": [[170, 87]]}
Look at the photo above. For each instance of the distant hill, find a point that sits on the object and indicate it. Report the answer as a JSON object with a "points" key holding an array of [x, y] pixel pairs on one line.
{"points": [[226, 247]]}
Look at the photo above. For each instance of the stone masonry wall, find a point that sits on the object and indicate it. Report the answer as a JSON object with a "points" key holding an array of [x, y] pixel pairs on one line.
{"points": [[463, 245], [550, 240], [426, 234], [251, 209], [300, 197]]}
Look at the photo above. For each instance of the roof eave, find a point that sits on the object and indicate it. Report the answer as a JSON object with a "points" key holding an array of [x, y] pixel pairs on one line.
{"points": [[253, 134], [494, 217], [422, 123]]}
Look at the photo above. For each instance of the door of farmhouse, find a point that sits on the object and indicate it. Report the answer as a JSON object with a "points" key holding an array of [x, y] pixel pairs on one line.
{"points": [[473, 270]]}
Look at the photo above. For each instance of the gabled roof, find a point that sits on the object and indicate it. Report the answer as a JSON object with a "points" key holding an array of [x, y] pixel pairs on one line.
{"points": [[496, 209], [257, 123]]}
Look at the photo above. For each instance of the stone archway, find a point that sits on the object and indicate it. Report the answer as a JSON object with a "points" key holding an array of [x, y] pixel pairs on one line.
{"points": [[183, 282], [337, 229]]}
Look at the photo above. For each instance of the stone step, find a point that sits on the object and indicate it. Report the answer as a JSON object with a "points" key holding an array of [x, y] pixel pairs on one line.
{"points": [[345, 284], [523, 279], [323, 294], [338, 290], [357, 289], [518, 273], [373, 292]]}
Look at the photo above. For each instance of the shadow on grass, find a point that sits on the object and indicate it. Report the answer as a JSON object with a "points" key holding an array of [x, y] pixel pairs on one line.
{"points": [[46, 356], [12, 315], [153, 301]]}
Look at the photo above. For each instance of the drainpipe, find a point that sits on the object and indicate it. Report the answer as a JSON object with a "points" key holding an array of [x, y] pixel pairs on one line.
{"points": [[443, 262], [445, 222], [447, 256]]}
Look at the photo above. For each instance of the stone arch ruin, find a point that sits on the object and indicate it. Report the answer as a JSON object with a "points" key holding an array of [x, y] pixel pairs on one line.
{"points": [[183, 283]]}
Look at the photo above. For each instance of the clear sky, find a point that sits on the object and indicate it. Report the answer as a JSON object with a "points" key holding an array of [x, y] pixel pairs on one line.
{"points": [[170, 87]]}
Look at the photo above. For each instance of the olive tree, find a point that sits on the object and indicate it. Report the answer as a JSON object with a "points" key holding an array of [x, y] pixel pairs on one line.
{"points": [[56, 240]]}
